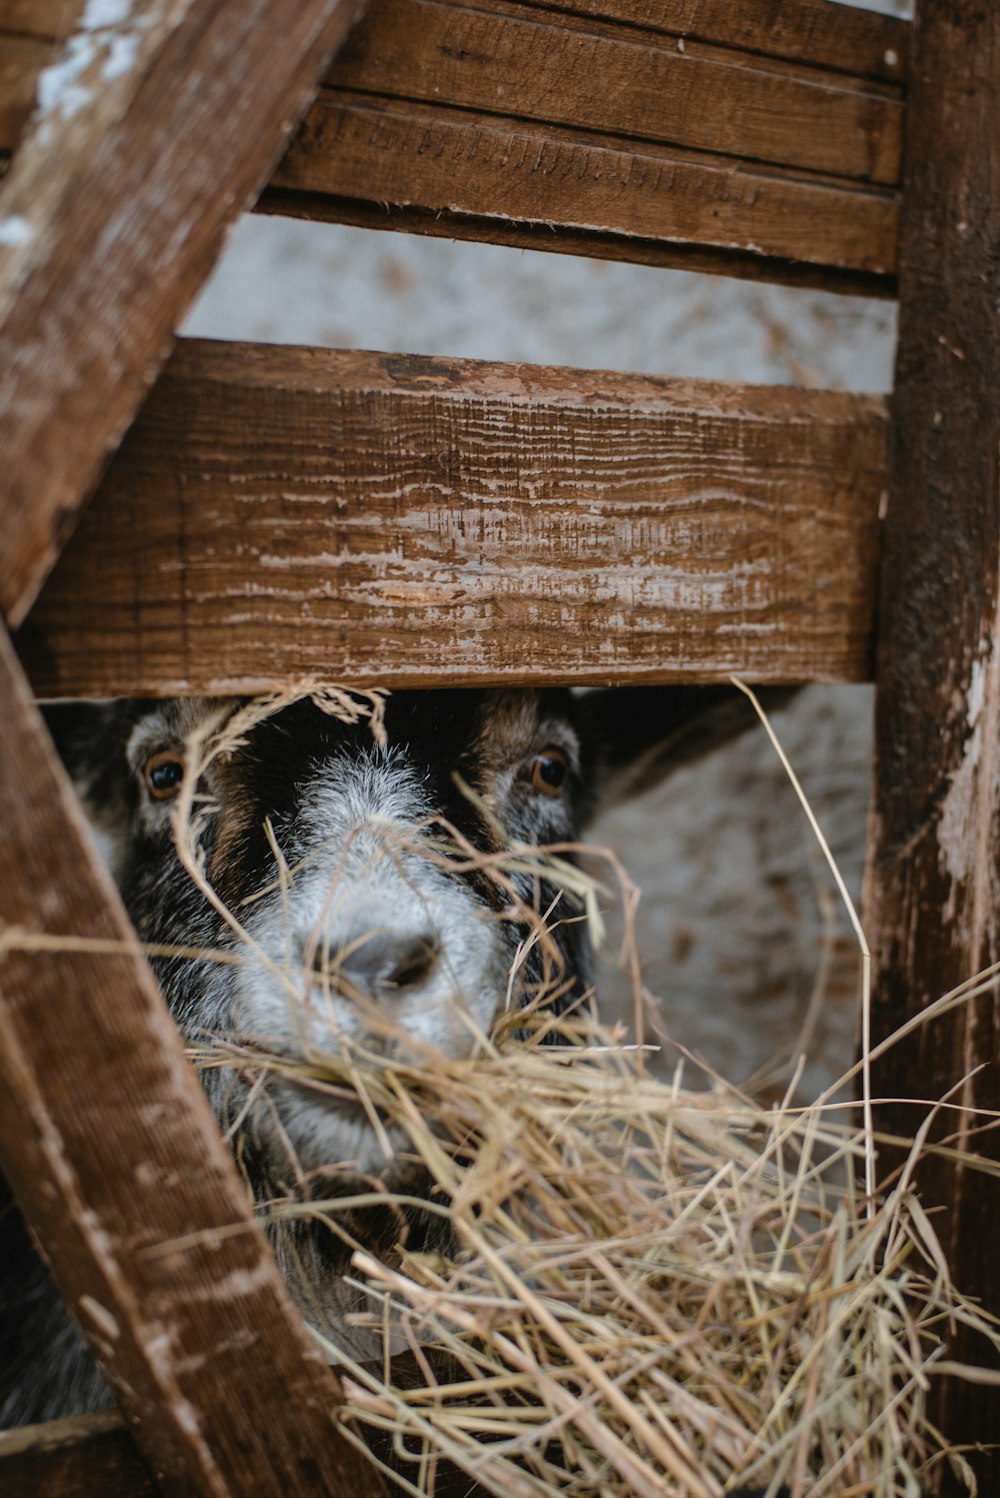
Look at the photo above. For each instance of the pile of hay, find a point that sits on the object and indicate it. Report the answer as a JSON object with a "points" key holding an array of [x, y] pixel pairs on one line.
{"points": [[647, 1289], [652, 1290]]}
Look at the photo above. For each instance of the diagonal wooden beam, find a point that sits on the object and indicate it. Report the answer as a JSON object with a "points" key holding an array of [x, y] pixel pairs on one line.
{"points": [[108, 1141], [153, 132], [278, 513], [934, 875]]}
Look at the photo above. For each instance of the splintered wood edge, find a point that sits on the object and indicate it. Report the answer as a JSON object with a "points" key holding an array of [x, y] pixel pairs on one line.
{"points": [[279, 515]]}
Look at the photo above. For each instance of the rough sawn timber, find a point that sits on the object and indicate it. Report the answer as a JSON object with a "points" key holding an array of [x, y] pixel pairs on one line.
{"points": [[116, 1161], [285, 513], [734, 138], [934, 876], [110, 218]]}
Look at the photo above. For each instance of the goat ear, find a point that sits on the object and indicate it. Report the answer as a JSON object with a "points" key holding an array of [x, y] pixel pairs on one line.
{"points": [[641, 735]]}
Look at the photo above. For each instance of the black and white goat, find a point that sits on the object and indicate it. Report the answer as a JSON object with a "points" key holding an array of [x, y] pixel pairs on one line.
{"points": [[363, 940]]}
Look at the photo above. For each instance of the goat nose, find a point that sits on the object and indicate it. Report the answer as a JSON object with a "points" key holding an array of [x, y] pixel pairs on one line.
{"points": [[381, 961]]}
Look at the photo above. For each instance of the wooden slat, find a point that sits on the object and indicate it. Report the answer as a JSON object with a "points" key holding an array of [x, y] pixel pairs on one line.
{"points": [[95, 1456], [281, 512], [934, 884], [531, 125], [87, 1456], [810, 32], [108, 1141], [45, 18], [110, 217], [21, 60]]}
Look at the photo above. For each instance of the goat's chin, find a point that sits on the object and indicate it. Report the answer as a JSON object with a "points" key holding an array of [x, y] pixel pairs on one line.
{"points": [[303, 1132]]}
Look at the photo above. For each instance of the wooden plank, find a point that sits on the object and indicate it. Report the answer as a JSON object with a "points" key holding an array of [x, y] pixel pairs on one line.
{"points": [[934, 886], [95, 1456], [528, 124], [620, 80], [87, 1456], [110, 218], [280, 513], [813, 32], [109, 1144], [44, 18], [21, 60], [390, 164]]}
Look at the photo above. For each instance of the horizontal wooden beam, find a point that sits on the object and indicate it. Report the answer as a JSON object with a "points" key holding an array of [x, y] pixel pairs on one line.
{"points": [[286, 513], [719, 135], [756, 140], [82, 1457]]}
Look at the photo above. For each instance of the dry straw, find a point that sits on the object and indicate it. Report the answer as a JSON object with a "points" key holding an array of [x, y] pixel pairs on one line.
{"points": [[641, 1287]]}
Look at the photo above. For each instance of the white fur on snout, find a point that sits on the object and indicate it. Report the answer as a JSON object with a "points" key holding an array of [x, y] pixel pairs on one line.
{"points": [[357, 871]]}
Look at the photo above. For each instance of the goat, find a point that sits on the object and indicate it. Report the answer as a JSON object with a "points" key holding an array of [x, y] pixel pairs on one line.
{"points": [[383, 945]]}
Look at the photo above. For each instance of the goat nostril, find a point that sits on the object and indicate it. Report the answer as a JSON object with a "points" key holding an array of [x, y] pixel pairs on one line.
{"points": [[378, 962], [410, 964]]}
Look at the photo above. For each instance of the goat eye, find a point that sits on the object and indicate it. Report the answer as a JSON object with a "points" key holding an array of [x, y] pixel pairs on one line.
{"points": [[548, 771], [163, 774]]}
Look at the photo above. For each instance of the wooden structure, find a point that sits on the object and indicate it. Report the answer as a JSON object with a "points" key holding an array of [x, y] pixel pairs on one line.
{"points": [[739, 529]]}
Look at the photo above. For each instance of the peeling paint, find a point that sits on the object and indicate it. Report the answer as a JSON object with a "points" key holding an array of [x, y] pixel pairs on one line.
{"points": [[15, 231], [99, 1317]]}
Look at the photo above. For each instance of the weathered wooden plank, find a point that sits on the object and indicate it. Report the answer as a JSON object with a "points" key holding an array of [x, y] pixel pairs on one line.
{"points": [[613, 136], [391, 164], [108, 1141], [840, 37], [21, 60], [380, 159], [44, 18], [86, 1456], [95, 1456], [110, 217], [934, 886], [281, 512], [561, 70]]}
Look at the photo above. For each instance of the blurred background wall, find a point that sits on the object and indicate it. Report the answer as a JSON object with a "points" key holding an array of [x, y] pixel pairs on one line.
{"points": [[738, 928]]}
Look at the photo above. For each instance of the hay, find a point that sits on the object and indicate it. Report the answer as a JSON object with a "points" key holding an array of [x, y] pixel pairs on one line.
{"points": [[649, 1289], [642, 1288]]}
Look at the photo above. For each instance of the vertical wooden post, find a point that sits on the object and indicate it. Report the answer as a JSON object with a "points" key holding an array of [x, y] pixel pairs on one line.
{"points": [[934, 878]]}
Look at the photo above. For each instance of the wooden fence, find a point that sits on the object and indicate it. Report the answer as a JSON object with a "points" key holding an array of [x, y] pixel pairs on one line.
{"points": [[791, 536]]}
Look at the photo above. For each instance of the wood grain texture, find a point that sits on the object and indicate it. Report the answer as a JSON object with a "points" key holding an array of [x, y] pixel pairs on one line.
{"points": [[110, 217], [934, 877], [812, 32], [86, 1456], [21, 60], [95, 1456], [44, 18], [279, 513], [601, 135], [109, 1144]]}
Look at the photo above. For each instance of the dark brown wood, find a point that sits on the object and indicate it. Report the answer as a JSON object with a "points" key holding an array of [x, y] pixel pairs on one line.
{"points": [[840, 37], [280, 513], [110, 218], [934, 878], [45, 18], [526, 124], [109, 1144], [21, 60], [87, 1456], [95, 1456]]}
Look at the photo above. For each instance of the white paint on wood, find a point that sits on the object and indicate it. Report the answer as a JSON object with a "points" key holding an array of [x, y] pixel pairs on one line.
{"points": [[15, 231]]}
